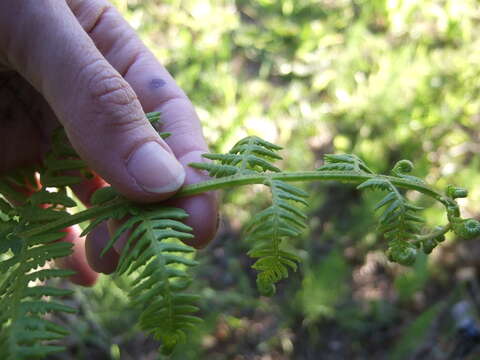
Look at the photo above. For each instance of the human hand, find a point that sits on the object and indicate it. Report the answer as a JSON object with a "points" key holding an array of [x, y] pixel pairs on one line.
{"points": [[78, 63]]}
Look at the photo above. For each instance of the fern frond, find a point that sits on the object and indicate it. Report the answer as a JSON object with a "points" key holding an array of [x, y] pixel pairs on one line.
{"points": [[267, 229], [251, 154], [344, 162], [101, 197], [154, 253], [401, 170], [375, 184], [283, 219], [23, 329], [25, 332], [63, 166], [216, 170], [399, 222]]}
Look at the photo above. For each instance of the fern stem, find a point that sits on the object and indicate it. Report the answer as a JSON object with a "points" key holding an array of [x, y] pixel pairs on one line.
{"points": [[74, 219], [244, 179], [442, 230], [309, 176]]}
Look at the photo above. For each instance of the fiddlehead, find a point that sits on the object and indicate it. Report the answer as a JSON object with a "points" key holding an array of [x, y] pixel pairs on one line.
{"points": [[399, 220], [465, 228]]}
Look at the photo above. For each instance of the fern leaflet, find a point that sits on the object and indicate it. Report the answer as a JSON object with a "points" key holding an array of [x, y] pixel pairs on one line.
{"points": [[154, 253], [266, 230], [251, 154], [283, 219], [22, 297]]}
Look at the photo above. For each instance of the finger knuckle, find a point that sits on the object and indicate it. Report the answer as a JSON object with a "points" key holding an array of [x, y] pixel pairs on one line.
{"points": [[108, 88], [113, 98]]}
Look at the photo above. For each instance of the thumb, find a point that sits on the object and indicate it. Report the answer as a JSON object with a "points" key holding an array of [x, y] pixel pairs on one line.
{"points": [[99, 110]]}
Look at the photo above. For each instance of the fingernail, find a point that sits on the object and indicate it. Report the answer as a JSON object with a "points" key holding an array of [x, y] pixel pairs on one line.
{"points": [[155, 169]]}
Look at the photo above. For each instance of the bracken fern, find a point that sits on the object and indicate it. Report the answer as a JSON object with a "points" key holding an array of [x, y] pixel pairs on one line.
{"points": [[283, 219], [153, 251], [24, 299], [154, 255]]}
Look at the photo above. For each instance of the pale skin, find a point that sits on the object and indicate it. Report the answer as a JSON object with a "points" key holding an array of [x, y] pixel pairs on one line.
{"points": [[79, 64]]}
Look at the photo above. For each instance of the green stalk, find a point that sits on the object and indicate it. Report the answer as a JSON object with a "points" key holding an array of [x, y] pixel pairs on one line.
{"points": [[239, 180], [442, 230], [355, 178]]}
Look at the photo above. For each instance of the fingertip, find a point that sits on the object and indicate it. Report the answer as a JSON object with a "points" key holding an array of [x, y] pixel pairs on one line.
{"points": [[87, 187], [95, 242], [113, 225], [203, 217], [202, 208], [155, 169], [77, 261]]}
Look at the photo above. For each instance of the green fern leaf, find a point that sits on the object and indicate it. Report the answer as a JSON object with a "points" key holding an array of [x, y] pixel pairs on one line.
{"points": [[337, 167], [22, 329], [251, 154], [283, 219], [62, 160], [154, 254], [51, 198], [375, 184], [399, 221], [344, 162], [216, 170]]}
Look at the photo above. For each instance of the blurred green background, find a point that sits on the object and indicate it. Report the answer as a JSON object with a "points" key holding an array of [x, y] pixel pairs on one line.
{"points": [[384, 79]]}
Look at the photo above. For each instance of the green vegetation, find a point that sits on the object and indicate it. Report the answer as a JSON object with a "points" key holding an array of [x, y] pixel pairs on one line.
{"points": [[154, 253], [385, 80]]}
